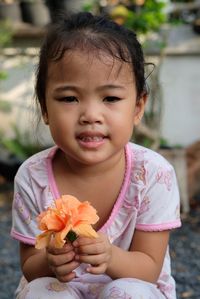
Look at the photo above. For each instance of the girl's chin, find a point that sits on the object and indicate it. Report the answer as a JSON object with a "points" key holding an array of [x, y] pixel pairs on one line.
{"points": [[91, 160]]}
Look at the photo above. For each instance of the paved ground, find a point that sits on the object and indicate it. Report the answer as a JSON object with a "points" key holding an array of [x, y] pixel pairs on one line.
{"points": [[9, 262], [185, 252]]}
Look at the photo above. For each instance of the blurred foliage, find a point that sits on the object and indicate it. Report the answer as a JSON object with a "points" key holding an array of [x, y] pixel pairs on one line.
{"points": [[141, 16], [5, 106], [148, 17], [5, 33], [164, 143], [5, 39], [3, 75], [21, 144]]}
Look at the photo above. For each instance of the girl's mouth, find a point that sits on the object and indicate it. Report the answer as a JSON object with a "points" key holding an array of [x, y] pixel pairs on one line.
{"points": [[91, 140]]}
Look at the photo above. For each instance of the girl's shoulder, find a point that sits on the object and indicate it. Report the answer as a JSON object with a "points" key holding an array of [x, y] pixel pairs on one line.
{"points": [[148, 163], [143, 155], [35, 163]]}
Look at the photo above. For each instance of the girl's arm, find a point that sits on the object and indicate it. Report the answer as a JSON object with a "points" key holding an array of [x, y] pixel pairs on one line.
{"points": [[144, 260], [34, 262], [48, 262]]}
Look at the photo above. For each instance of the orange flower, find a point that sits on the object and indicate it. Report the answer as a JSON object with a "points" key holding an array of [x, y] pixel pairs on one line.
{"points": [[68, 215]]}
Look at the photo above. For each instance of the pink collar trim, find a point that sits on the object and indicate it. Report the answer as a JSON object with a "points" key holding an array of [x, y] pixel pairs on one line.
{"points": [[125, 184], [52, 182], [120, 198]]}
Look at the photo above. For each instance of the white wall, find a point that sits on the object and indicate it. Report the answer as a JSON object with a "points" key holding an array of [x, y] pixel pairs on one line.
{"points": [[180, 79]]}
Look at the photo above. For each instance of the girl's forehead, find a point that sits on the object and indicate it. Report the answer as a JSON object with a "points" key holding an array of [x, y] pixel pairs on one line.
{"points": [[77, 61]]}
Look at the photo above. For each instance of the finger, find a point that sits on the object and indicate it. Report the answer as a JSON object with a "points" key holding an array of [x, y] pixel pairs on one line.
{"points": [[100, 269], [67, 278], [65, 269], [92, 259], [96, 248], [57, 260], [66, 248], [85, 241]]}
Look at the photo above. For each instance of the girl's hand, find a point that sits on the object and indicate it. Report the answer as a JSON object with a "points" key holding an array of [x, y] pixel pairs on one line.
{"points": [[61, 262], [96, 252]]}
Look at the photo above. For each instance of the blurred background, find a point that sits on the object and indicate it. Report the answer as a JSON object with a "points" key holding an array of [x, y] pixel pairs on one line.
{"points": [[170, 35]]}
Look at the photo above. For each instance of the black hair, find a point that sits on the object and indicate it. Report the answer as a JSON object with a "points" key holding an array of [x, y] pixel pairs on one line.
{"points": [[84, 30]]}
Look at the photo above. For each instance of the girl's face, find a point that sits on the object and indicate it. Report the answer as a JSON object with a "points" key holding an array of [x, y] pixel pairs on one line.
{"points": [[91, 106]]}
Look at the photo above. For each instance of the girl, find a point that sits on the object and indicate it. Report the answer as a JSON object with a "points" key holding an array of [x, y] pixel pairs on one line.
{"points": [[91, 89]]}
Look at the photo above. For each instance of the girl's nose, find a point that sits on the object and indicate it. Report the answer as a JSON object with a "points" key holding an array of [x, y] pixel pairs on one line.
{"points": [[91, 114]]}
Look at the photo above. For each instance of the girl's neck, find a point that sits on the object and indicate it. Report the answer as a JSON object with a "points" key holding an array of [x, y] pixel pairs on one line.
{"points": [[88, 171]]}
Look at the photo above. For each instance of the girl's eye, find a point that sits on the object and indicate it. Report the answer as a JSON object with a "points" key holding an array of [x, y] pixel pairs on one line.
{"points": [[111, 99], [69, 99]]}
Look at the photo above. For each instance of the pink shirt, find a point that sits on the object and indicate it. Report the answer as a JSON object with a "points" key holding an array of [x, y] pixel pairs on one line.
{"points": [[148, 201]]}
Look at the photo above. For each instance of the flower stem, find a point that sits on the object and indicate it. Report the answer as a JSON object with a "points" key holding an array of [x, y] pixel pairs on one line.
{"points": [[71, 236]]}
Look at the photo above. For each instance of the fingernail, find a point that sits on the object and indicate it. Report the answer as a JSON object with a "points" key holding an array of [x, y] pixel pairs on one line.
{"points": [[88, 269]]}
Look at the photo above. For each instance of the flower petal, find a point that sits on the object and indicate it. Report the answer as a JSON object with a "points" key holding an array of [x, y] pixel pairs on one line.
{"points": [[43, 240], [85, 230], [67, 203], [87, 213], [59, 239], [67, 214], [51, 221]]}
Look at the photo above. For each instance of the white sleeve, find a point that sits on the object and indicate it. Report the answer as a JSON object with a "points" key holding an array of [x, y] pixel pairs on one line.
{"points": [[24, 211], [160, 201]]}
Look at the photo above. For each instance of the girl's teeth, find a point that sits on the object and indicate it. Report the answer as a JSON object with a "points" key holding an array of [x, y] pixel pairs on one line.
{"points": [[88, 138]]}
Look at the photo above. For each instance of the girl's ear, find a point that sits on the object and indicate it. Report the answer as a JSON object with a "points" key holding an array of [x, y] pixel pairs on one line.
{"points": [[139, 109], [45, 118]]}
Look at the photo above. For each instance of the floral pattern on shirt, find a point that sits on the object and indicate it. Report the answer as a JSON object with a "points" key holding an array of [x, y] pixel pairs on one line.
{"points": [[117, 293], [57, 286], [164, 177], [20, 206]]}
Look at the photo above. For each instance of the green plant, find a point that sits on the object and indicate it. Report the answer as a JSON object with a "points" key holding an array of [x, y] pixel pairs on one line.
{"points": [[141, 16], [5, 39], [21, 144], [91, 5], [149, 17], [6, 33]]}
